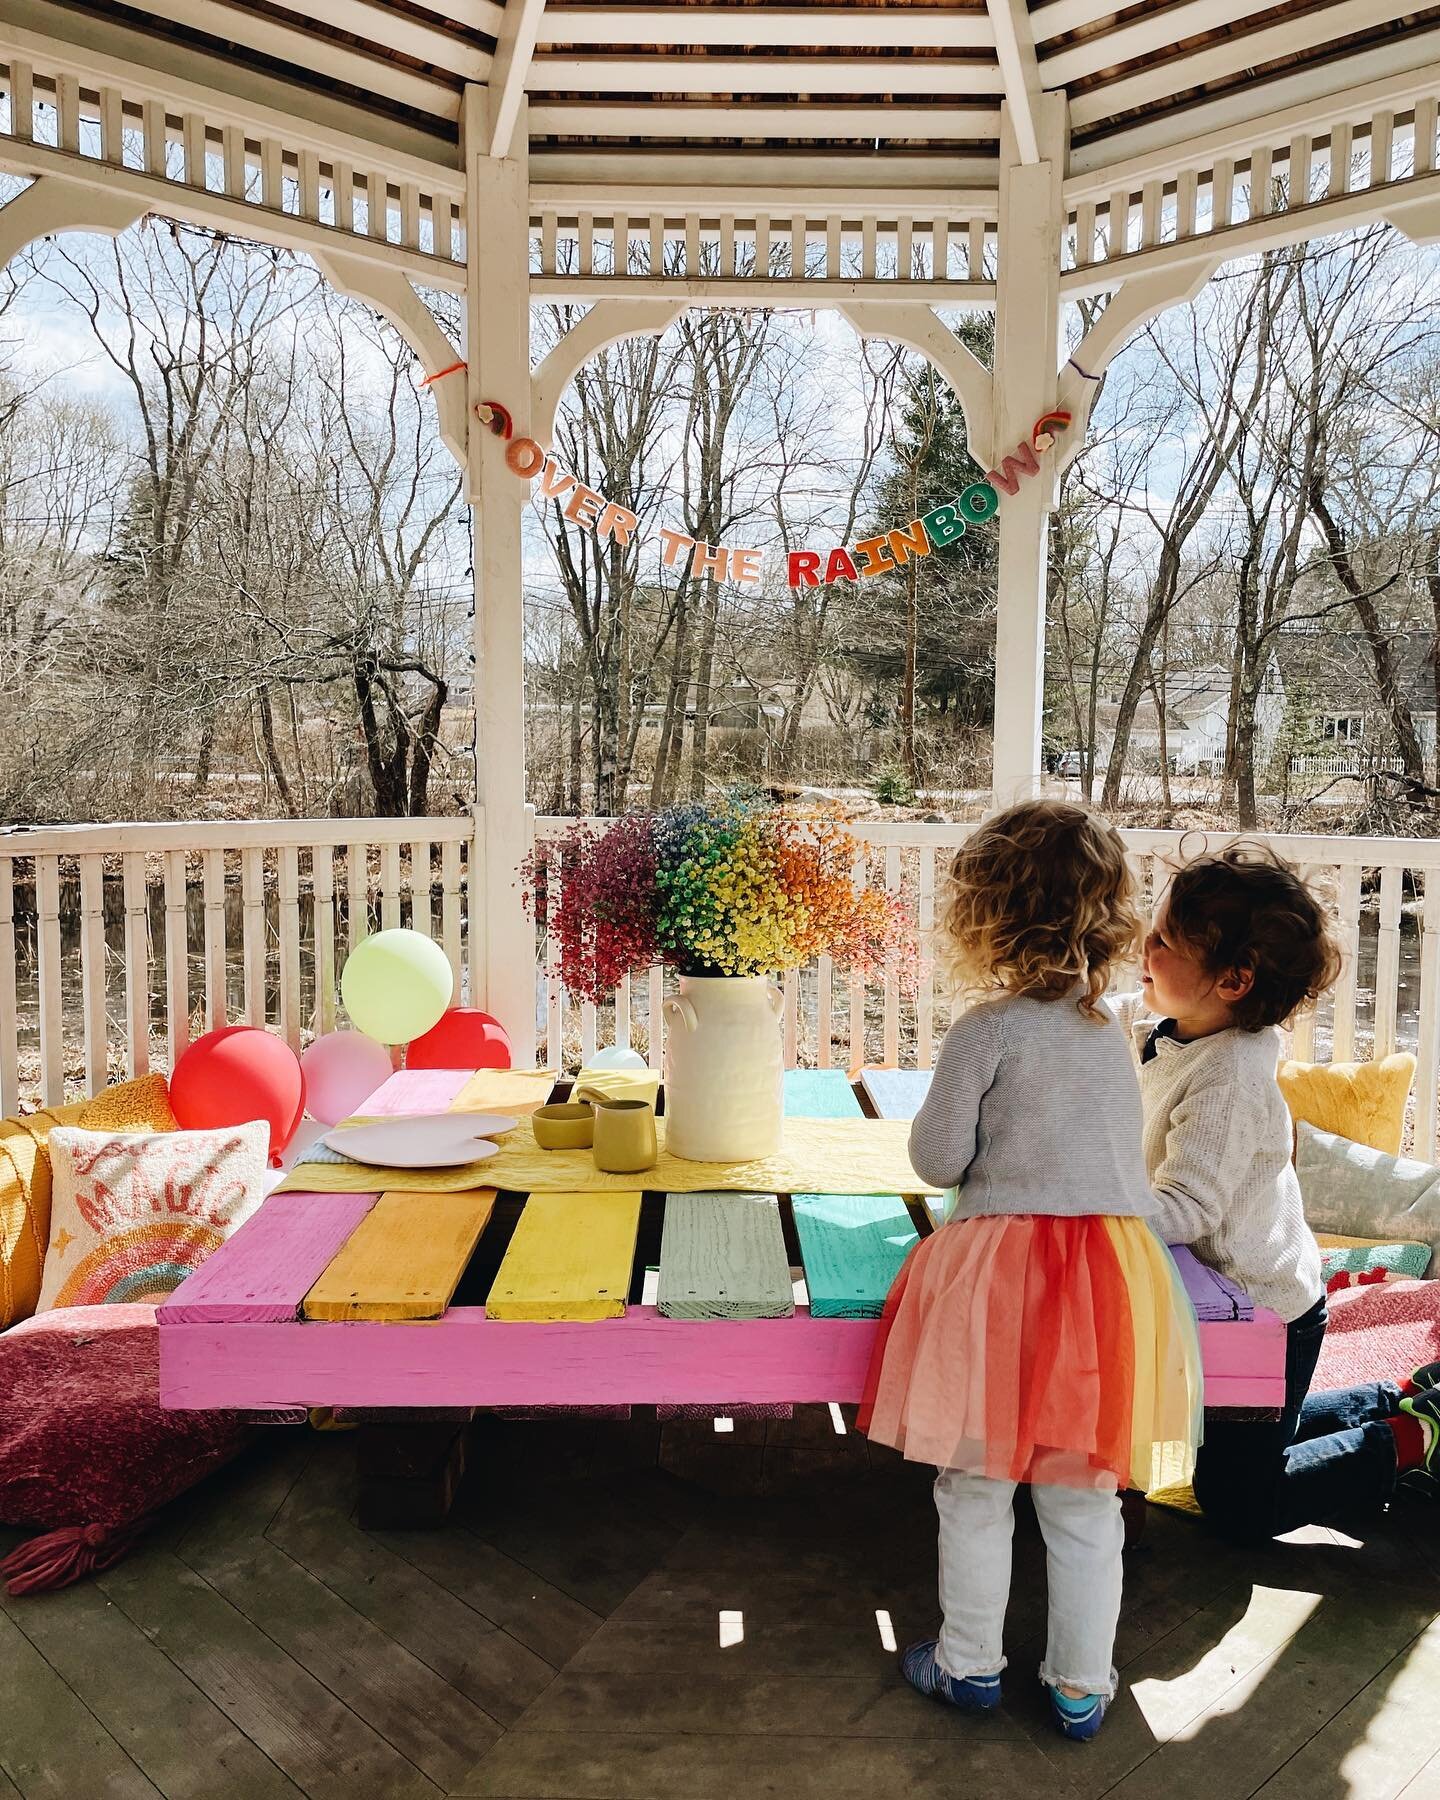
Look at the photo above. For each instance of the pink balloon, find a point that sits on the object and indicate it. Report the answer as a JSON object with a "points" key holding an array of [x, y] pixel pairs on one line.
{"points": [[342, 1070]]}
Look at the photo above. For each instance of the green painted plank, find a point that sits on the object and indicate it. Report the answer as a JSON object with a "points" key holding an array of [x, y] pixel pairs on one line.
{"points": [[852, 1245], [896, 1093], [722, 1256], [820, 1094]]}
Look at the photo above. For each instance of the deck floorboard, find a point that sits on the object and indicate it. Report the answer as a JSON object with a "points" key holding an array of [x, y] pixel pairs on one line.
{"points": [[596, 1624]]}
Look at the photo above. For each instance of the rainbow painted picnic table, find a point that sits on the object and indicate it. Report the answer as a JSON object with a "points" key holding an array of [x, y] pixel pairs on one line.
{"points": [[612, 1296]]}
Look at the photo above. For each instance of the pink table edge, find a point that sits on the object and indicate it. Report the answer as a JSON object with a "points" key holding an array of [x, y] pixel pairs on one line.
{"points": [[465, 1359]]}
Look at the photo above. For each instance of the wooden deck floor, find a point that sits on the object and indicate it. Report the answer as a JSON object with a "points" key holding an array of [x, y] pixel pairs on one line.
{"points": [[591, 1626]]}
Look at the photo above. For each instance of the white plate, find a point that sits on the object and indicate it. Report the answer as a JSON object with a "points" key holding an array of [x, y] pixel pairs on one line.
{"points": [[428, 1141]]}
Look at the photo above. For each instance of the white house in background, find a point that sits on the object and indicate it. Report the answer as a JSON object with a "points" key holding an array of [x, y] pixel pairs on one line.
{"points": [[1332, 702], [1197, 720]]}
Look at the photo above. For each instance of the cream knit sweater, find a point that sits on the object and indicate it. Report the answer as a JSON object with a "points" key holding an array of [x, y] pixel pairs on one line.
{"points": [[1217, 1140]]}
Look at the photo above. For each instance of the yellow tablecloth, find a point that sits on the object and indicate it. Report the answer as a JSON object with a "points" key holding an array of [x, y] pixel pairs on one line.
{"points": [[818, 1156]]}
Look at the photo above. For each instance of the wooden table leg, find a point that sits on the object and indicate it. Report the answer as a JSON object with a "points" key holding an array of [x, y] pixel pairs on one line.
{"points": [[410, 1472]]}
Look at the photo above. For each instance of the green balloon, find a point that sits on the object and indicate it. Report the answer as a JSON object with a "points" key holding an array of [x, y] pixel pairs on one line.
{"points": [[396, 985]]}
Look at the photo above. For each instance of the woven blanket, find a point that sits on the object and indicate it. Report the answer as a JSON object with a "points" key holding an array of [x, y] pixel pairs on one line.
{"points": [[1379, 1333]]}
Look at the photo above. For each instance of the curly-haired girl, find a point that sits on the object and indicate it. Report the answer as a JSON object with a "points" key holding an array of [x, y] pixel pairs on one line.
{"points": [[1041, 1334]]}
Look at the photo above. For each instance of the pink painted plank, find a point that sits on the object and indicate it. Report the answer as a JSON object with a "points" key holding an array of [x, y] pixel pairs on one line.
{"points": [[414, 1091], [1243, 1347], [465, 1359], [261, 1275]]}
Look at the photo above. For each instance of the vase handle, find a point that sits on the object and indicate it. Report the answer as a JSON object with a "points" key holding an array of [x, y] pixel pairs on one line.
{"points": [[776, 998], [680, 1009]]}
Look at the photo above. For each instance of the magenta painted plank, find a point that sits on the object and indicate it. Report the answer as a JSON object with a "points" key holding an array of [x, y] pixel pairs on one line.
{"points": [[465, 1359], [414, 1091], [1245, 1390], [1243, 1347], [262, 1274]]}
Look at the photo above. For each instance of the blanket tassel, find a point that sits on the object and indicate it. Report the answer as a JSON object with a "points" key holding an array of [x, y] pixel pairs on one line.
{"points": [[70, 1552]]}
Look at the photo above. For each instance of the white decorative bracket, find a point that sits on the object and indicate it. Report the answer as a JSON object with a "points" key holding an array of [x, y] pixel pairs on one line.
{"points": [[52, 204], [606, 323], [1418, 220], [918, 328], [392, 294], [1131, 307]]}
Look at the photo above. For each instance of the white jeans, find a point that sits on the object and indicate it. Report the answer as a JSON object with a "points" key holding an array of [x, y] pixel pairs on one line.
{"points": [[1084, 1536]]}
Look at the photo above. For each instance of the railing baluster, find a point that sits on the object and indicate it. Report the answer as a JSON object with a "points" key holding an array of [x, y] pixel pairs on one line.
{"points": [[1299, 170], [1424, 137], [112, 127], [586, 237], [692, 245], [975, 250], [357, 892], [9, 1011], [377, 206], [389, 886], [855, 1057], [1222, 192], [904, 247], [1348, 915], [193, 139], [52, 1018], [727, 244], [153, 136], [232, 152], [925, 992], [420, 902], [272, 174], [137, 965], [216, 1002], [310, 185], [824, 1010], [834, 248], [289, 893], [939, 249], [177, 957], [1387, 961], [252, 902], [22, 101], [450, 910], [868, 247], [410, 215], [1428, 1046], [1187, 184], [554, 987], [762, 244], [92, 971], [1084, 234], [67, 107], [657, 243], [892, 985], [587, 1032], [342, 188], [1341, 142], [622, 1013], [790, 1016], [1117, 225], [322, 888], [1150, 197], [1382, 137], [797, 246]]}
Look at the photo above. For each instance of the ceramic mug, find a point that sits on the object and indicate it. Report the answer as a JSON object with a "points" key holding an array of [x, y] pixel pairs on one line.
{"points": [[624, 1136], [564, 1126]]}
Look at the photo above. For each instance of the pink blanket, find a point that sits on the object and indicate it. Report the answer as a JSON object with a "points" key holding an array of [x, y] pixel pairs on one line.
{"points": [[1379, 1333]]}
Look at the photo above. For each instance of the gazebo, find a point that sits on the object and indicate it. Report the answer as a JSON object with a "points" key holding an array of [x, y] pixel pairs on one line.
{"points": [[888, 161]]}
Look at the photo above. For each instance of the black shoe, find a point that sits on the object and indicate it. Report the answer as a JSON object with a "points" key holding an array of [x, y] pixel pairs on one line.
{"points": [[1427, 1376]]}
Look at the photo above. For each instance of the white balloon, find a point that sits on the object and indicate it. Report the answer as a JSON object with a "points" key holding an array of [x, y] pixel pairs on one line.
{"points": [[616, 1056]]}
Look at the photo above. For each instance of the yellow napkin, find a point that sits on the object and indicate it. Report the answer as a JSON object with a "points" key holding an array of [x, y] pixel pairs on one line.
{"points": [[504, 1091], [818, 1156], [620, 1084]]}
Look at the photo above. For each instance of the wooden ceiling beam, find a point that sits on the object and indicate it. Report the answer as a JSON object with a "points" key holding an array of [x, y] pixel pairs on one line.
{"points": [[839, 28], [1254, 108], [1015, 49], [634, 172], [513, 52], [758, 75], [580, 119], [1144, 36], [612, 200], [1248, 50]]}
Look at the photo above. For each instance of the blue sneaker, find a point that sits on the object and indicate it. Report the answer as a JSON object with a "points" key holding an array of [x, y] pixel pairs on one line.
{"points": [[971, 1693], [1079, 1718]]}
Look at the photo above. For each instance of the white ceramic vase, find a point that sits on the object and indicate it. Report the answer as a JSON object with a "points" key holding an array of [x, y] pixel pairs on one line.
{"points": [[724, 1068]]}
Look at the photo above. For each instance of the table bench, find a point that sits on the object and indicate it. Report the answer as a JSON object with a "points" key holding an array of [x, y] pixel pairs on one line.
{"points": [[380, 1301]]}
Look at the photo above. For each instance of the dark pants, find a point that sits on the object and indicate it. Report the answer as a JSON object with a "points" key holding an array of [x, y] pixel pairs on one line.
{"points": [[1327, 1453]]}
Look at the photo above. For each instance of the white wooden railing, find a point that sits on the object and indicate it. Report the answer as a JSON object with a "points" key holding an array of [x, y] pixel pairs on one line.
{"points": [[212, 923]]}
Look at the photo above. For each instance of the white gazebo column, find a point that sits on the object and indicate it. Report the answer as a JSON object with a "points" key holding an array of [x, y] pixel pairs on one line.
{"points": [[1027, 328], [497, 319]]}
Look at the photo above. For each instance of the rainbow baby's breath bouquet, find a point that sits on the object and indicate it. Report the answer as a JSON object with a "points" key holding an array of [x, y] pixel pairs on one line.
{"points": [[735, 886]]}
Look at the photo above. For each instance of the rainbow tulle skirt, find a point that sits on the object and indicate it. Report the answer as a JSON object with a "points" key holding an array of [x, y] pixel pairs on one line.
{"points": [[1043, 1349]]}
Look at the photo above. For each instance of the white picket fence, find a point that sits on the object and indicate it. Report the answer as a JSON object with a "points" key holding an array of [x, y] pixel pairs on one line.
{"points": [[214, 923]]}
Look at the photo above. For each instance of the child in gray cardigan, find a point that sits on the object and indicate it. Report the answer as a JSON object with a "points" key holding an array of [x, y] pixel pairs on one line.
{"points": [[1236, 945]]}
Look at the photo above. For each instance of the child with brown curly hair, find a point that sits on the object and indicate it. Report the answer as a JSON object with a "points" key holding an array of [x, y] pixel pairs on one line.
{"points": [[1041, 1334], [1236, 945]]}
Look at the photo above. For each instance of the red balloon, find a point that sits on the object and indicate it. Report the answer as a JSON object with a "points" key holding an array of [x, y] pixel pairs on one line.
{"points": [[235, 1075], [465, 1038]]}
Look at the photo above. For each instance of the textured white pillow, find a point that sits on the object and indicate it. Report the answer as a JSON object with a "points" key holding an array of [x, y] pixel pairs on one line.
{"points": [[132, 1215], [1354, 1191]]}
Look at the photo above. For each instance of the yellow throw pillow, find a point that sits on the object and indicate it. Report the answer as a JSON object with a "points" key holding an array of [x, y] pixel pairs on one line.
{"points": [[1364, 1102], [25, 1208], [139, 1105]]}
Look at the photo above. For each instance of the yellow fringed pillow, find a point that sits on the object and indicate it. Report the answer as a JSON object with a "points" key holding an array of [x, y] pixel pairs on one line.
{"points": [[140, 1105], [1364, 1102]]}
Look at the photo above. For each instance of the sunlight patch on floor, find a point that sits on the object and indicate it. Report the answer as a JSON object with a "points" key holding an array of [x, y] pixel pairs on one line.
{"points": [[1230, 1669], [887, 1630], [723, 1425], [837, 1418], [732, 1629]]}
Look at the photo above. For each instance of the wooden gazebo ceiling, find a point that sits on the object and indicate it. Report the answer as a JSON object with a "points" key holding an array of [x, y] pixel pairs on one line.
{"points": [[753, 80]]}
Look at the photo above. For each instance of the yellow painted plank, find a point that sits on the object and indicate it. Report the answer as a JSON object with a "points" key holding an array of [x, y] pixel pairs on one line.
{"points": [[570, 1258], [403, 1259]]}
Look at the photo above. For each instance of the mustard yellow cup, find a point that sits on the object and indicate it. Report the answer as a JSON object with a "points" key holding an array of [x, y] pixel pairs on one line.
{"points": [[564, 1126], [625, 1136]]}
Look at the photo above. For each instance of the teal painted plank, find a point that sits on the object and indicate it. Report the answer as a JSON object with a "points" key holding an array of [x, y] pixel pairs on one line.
{"points": [[820, 1094], [722, 1256], [896, 1093], [852, 1246]]}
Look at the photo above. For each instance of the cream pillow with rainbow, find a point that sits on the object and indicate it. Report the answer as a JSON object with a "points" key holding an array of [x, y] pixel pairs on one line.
{"points": [[132, 1216]]}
